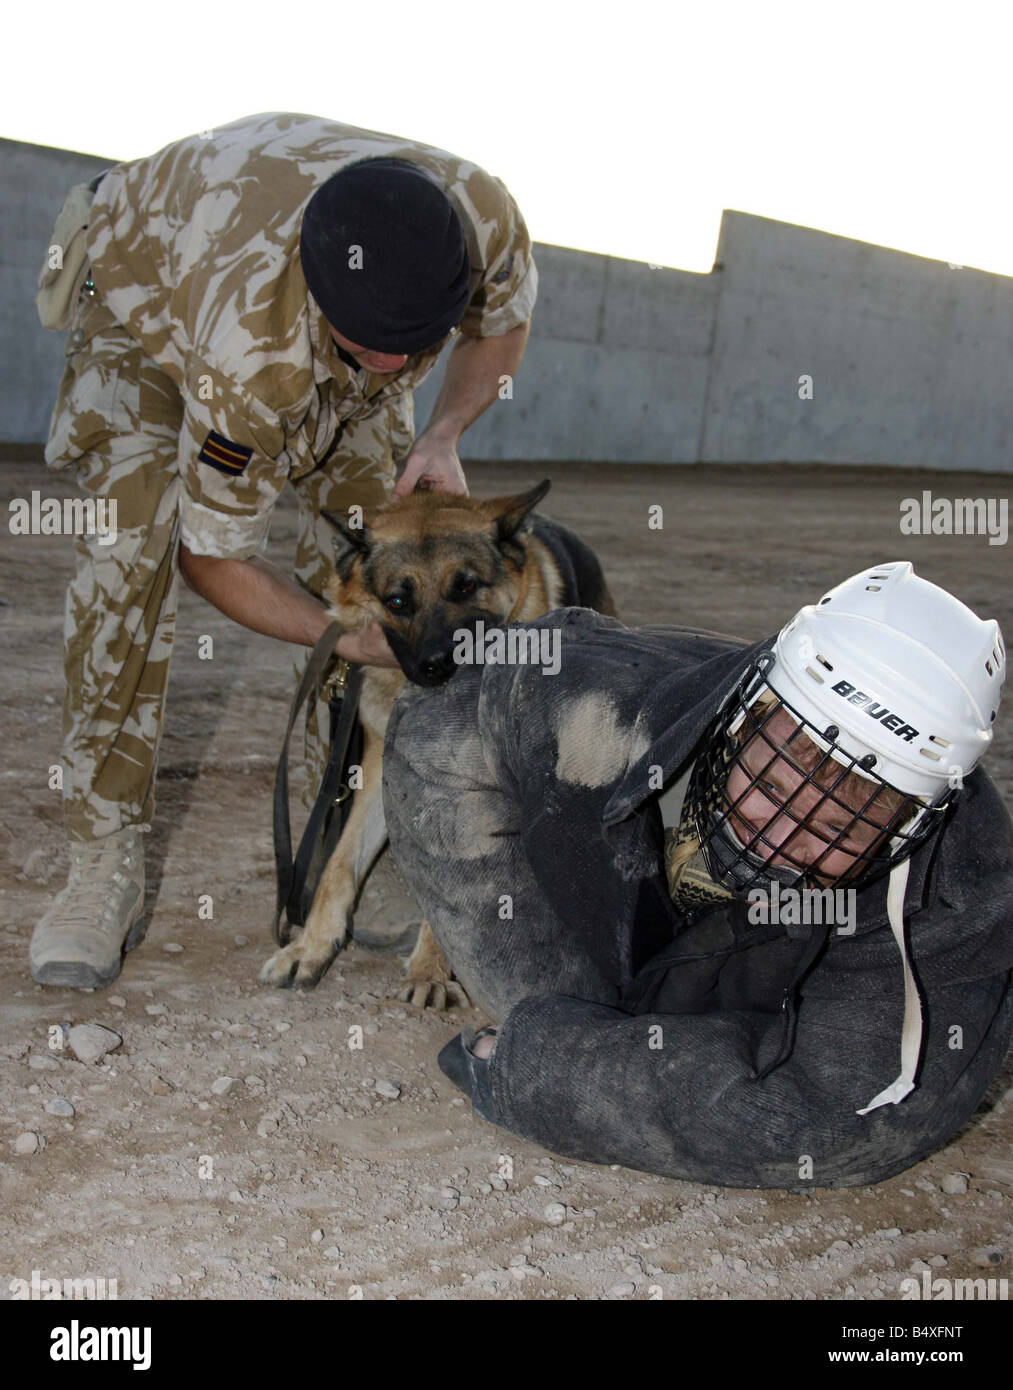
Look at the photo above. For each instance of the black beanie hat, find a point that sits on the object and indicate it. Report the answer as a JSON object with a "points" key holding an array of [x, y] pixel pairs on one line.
{"points": [[411, 288]]}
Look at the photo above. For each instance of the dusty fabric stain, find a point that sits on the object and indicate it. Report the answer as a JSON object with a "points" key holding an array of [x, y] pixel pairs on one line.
{"points": [[593, 747]]}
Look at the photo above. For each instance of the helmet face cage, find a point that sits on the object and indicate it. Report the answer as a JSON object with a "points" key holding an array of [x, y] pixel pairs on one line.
{"points": [[734, 823]]}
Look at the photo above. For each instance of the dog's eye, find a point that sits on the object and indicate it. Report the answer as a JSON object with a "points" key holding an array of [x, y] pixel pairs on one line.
{"points": [[466, 587], [395, 603]]}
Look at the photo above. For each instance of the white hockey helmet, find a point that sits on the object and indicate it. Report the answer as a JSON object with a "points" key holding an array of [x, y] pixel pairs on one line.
{"points": [[905, 673], [892, 680]]}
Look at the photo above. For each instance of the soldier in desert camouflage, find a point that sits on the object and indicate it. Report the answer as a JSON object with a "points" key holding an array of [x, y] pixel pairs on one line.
{"points": [[255, 307]]}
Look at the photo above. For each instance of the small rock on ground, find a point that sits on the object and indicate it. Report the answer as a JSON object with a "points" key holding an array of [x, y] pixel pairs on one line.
{"points": [[954, 1184], [90, 1042]]}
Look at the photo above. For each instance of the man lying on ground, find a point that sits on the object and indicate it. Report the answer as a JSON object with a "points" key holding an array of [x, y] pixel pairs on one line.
{"points": [[714, 894]]}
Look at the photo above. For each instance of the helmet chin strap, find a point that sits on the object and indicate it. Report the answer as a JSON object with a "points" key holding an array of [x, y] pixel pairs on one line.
{"points": [[911, 1029]]}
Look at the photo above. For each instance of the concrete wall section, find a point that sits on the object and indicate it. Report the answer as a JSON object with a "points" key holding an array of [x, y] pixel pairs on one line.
{"points": [[910, 359], [615, 368]]}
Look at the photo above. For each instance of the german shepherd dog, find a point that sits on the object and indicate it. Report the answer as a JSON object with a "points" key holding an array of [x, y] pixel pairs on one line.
{"points": [[426, 566]]}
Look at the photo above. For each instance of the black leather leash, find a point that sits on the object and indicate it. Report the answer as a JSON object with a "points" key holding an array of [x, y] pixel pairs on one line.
{"points": [[296, 880]]}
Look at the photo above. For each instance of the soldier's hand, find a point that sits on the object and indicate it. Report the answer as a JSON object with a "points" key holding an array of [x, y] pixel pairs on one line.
{"points": [[367, 646], [432, 463]]}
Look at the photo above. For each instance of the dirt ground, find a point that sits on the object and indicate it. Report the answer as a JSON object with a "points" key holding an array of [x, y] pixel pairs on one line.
{"points": [[321, 1185]]}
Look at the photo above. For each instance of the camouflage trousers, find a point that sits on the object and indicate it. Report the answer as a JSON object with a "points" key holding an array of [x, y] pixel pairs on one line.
{"points": [[117, 422]]}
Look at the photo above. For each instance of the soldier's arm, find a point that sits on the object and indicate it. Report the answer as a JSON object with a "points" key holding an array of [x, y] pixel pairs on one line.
{"points": [[494, 331], [475, 371], [260, 596], [473, 380]]}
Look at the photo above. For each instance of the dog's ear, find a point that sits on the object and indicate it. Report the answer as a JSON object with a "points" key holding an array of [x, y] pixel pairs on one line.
{"points": [[352, 541], [513, 514]]}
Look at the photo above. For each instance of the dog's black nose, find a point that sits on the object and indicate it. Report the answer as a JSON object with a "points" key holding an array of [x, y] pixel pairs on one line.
{"points": [[437, 666]]}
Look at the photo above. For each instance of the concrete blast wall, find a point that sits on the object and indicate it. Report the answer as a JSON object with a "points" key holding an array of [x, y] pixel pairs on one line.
{"points": [[910, 359]]}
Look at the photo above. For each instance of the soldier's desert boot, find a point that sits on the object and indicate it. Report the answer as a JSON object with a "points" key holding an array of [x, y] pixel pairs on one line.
{"points": [[99, 915]]}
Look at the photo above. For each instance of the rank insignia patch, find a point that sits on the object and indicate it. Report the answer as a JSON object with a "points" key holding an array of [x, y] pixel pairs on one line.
{"points": [[222, 454]]}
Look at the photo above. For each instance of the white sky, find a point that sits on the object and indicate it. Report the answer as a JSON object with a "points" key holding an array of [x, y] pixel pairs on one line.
{"points": [[623, 127]]}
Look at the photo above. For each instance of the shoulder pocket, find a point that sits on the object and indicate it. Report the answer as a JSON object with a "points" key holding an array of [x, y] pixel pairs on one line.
{"points": [[65, 266]]}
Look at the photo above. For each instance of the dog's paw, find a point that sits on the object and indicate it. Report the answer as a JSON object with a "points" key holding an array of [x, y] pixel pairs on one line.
{"points": [[427, 980], [299, 965], [432, 994]]}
